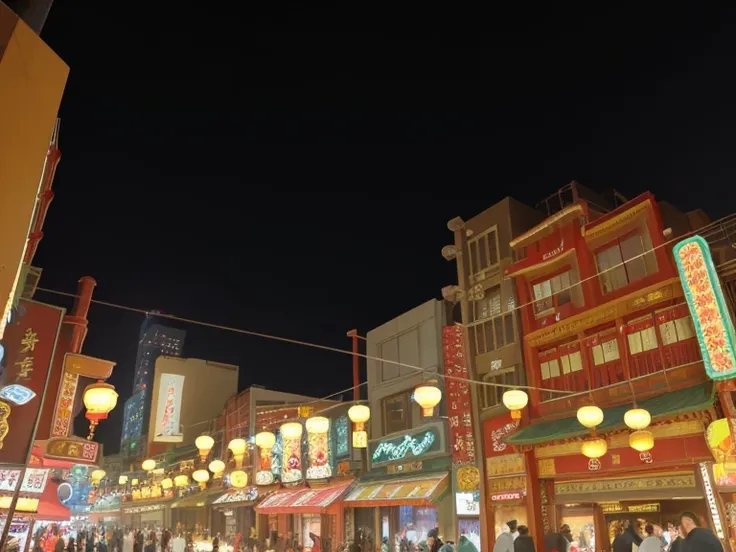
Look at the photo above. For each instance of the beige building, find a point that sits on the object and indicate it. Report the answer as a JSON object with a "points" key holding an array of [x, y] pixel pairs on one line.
{"points": [[187, 394]]}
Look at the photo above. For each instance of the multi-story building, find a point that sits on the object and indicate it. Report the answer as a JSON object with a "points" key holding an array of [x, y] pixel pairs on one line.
{"points": [[605, 324], [409, 453], [494, 345], [154, 341]]}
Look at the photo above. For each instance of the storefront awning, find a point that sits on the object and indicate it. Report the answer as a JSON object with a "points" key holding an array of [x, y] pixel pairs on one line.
{"points": [[692, 399], [197, 500], [302, 501], [421, 490], [240, 497], [49, 507]]}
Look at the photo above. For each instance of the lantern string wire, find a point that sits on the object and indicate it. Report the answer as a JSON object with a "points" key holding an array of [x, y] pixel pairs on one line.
{"points": [[706, 231]]}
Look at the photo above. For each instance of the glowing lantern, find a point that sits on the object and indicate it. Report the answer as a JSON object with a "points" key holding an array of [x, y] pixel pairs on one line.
{"points": [[637, 418], [238, 479], [99, 400], [291, 430], [590, 416], [641, 441], [359, 414], [515, 400], [201, 477], [217, 467], [134, 482], [122, 480], [204, 444], [238, 446], [148, 465], [595, 447], [427, 396], [318, 425], [96, 476], [181, 480], [265, 440], [166, 483]]}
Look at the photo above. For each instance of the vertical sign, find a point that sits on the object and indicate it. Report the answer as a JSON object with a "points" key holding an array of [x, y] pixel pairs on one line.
{"points": [[704, 296], [168, 409], [459, 409], [29, 342], [65, 405]]}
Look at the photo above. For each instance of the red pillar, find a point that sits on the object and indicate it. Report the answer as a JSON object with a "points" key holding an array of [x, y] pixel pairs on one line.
{"points": [[533, 499]]}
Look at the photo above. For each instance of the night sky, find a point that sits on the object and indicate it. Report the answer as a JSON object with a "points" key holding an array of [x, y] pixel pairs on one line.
{"points": [[291, 170]]}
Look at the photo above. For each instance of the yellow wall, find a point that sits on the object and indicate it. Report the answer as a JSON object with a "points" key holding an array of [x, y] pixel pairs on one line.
{"points": [[32, 80]]}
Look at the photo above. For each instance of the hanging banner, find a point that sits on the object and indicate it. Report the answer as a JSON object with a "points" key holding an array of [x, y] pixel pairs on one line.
{"points": [[459, 408], [496, 431], [713, 324], [29, 341], [168, 409]]}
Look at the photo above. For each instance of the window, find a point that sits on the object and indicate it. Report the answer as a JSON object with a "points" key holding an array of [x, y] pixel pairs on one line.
{"points": [[549, 365], [489, 306], [552, 293], [676, 330], [397, 413], [492, 334], [624, 262], [642, 340], [483, 253], [605, 350], [493, 395]]}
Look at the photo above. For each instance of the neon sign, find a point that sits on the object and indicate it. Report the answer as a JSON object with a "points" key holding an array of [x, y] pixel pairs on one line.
{"points": [[708, 309], [408, 445]]}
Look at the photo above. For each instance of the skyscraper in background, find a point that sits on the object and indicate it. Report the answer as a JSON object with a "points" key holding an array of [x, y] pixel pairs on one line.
{"points": [[155, 340]]}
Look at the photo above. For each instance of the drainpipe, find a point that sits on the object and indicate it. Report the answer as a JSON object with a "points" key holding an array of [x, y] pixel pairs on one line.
{"points": [[78, 317]]}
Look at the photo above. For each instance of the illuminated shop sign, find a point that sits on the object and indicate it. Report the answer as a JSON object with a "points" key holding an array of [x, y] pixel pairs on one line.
{"points": [[467, 504], [406, 447], [168, 409], [509, 495], [708, 488], [710, 316], [33, 482]]}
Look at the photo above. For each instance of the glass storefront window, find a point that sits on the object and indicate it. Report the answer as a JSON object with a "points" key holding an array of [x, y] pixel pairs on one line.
{"points": [[417, 522], [311, 523], [504, 514], [470, 527], [582, 529]]}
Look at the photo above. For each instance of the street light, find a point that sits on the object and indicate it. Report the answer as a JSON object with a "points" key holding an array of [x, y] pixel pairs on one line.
{"points": [[99, 400]]}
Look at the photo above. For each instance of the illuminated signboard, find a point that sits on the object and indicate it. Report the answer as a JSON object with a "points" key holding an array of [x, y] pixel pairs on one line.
{"points": [[710, 316], [406, 447], [168, 409], [33, 482], [341, 427]]}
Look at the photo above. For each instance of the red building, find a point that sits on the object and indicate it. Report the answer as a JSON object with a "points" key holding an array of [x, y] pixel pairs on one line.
{"points": [[605, 323]]}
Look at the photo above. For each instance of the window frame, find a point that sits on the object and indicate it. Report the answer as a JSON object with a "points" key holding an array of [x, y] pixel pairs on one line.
{"points": [[490, 377], [616, 242], [474, 275], [567, 269], [406, 394]]}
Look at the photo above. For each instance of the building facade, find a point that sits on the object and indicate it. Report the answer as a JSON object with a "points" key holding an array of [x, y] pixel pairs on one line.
{"points": [[605, 324]]}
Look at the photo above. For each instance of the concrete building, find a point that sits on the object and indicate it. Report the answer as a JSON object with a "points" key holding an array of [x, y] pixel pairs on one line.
{"points": [[405, 449]]}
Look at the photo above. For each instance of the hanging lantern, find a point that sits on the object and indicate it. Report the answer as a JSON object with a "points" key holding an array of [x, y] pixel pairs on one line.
{"points": [[317, 425], [265, 441], [148, 465], [202, 477], [204, 444], [99, 400], [641, 441], [359, 414], [318, 448], [590, 416], [122, 480], [238, 447], [134, 482], [428, 396], [515, 400], [594, 447], [238, 479], [637, 418], [291, 430], [166, 483], [217, 467], [181, 480], [96, 476]]}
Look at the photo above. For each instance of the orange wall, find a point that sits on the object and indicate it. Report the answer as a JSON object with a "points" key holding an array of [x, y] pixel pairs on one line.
{"points": [[32, 80]]}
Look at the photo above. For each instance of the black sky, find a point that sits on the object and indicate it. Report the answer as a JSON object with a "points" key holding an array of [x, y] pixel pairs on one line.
{"points": [[291, 170]]}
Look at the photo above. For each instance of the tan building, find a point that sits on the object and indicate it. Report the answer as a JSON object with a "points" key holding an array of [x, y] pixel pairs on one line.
{"points": [[187, 394]]}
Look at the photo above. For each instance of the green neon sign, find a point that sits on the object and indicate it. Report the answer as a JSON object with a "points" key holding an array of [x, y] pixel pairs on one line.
{"points": [[406, 447]]}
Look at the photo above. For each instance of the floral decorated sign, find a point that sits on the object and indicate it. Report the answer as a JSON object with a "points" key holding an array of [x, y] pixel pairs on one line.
{"points": [[712, 321]]}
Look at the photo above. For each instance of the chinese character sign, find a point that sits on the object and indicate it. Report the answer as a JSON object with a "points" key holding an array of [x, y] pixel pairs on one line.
{"points": [[168, 409], [29, 341], [710, 315], [459, 408]]}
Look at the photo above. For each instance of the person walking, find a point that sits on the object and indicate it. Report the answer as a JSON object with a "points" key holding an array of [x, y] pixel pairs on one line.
{"points": [[505, 541], [628, 537], [651, 542], [697, 538], [524, 542]]}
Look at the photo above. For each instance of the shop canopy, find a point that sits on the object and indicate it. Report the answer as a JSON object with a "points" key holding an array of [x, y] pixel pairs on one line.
{"points": [[240, 497], [422, 490], [303, 501], [691, 399], [197, 500]]}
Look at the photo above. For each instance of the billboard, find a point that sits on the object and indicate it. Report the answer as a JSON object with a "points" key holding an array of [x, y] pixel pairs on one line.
{"points": [[30, 342], [168, 409]]}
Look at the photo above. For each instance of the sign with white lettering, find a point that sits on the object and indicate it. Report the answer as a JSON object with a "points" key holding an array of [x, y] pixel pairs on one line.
{"points": [[406, 447], [511, 495]]}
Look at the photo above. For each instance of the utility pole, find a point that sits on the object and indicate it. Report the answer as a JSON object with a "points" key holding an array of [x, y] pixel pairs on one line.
{"points": [[356, 364]]}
